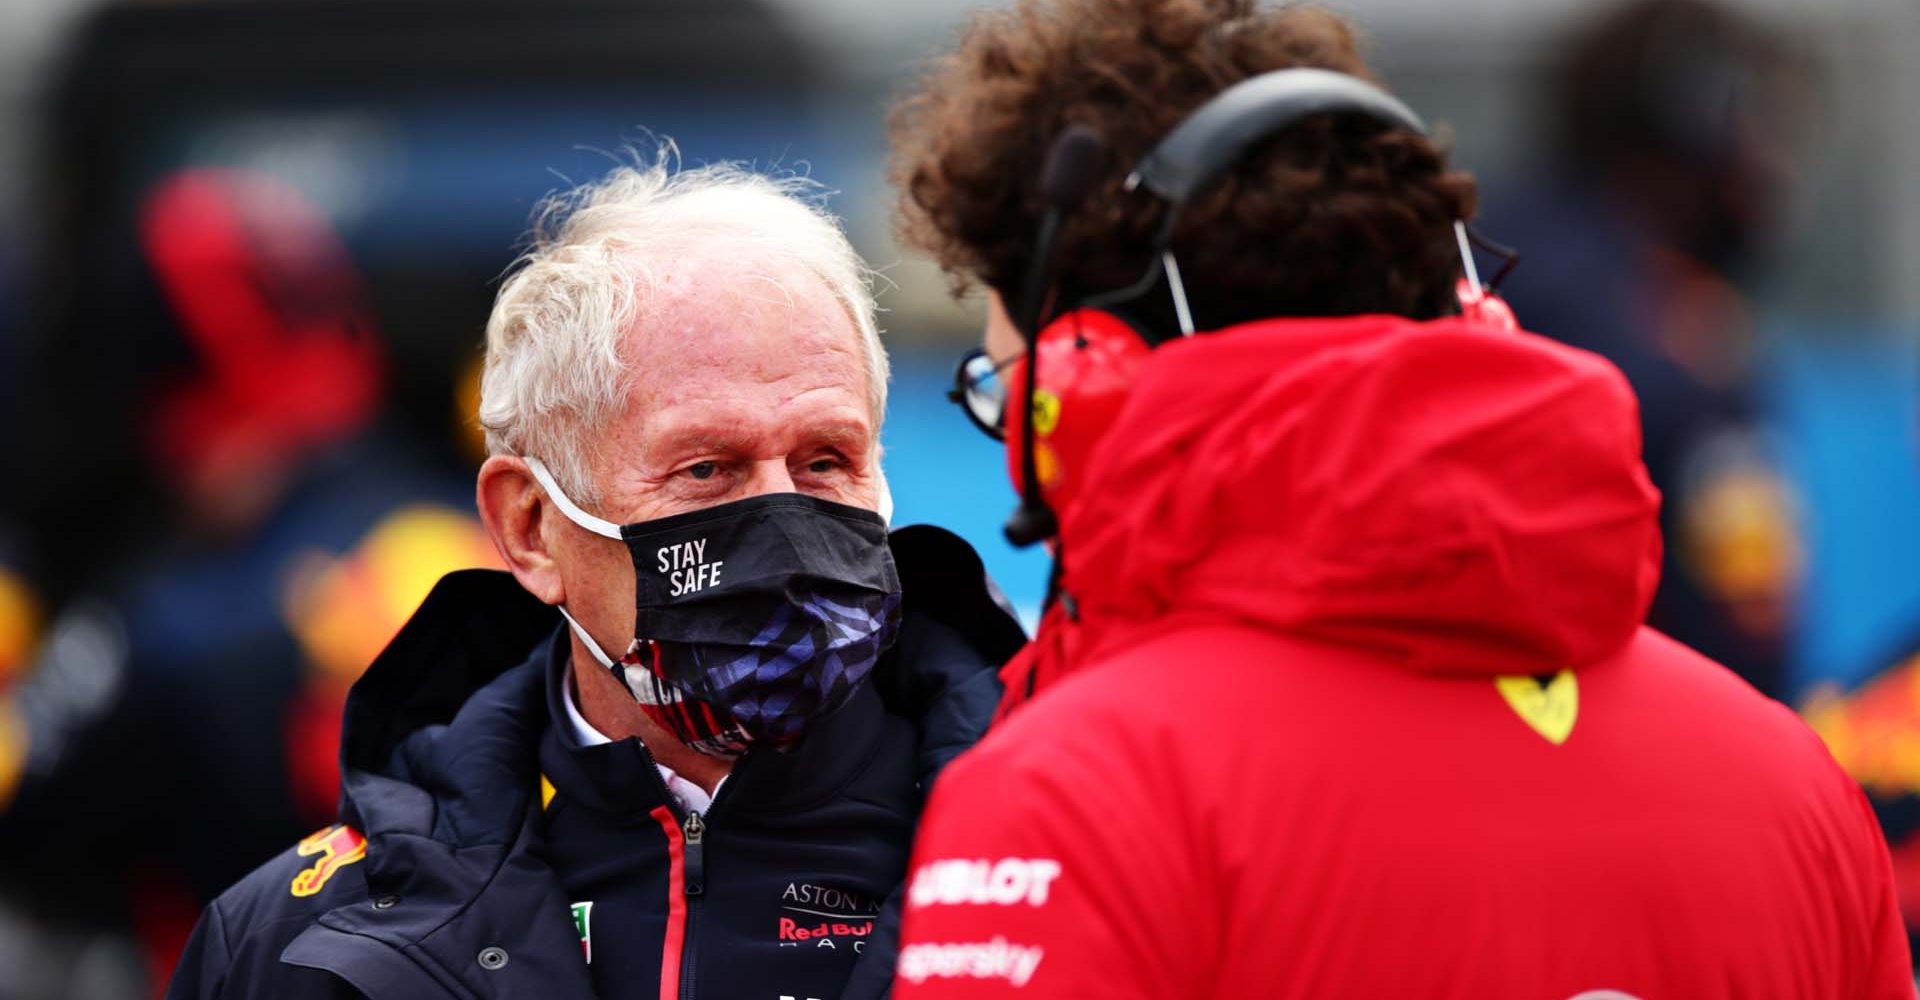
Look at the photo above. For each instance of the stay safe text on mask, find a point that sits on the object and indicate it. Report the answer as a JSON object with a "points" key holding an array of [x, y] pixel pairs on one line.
{"points": [[686, 567]]}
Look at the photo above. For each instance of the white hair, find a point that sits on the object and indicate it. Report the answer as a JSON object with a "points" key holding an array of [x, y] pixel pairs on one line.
{"points": [[554, 372]]}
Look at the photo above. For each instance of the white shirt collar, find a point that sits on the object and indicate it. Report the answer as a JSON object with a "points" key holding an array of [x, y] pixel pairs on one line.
{"points": [[692, 797]]}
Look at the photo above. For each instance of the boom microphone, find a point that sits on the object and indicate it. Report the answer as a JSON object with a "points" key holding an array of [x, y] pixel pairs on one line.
{"points": [[1071, 169]]}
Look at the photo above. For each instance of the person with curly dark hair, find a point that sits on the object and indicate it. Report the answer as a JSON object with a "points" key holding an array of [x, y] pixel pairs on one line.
{"points": [[1361, 214], [1344, 687]]}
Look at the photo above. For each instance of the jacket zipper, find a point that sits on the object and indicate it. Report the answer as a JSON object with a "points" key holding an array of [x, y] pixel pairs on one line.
{"points": [[694, 887], [693, 833], [693, 876]]}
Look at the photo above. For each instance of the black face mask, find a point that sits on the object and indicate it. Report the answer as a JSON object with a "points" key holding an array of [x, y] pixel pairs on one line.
{"points": [[752, 618]]}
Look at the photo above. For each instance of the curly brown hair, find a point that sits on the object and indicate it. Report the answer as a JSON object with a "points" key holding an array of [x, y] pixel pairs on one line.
{"points": [[1337, 215]]}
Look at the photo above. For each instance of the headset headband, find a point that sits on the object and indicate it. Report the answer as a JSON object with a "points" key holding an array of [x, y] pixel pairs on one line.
{"points": [[1205, 143], [1213, 137]]}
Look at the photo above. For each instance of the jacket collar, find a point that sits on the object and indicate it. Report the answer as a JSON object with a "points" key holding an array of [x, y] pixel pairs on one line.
{"points": [[619, 778]]}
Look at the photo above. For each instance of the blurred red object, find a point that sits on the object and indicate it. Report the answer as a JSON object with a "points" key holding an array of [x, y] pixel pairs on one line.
{"points": [[269, 298]]}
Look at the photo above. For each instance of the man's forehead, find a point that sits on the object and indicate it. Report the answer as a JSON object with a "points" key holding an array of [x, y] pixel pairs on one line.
{"points": [[710, 309], [730, 355]]}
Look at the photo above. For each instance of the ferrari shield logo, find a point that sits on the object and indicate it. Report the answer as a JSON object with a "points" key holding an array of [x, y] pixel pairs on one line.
{"points": [[1548, 704]]}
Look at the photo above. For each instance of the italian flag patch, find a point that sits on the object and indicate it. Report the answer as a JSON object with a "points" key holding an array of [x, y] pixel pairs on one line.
{"points": [[583, 924]]}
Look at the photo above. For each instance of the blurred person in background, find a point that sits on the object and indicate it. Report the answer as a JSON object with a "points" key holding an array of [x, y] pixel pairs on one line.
{"points": [[1646, 230], [1345, 687], [1667, 169], [197, 686], [683, 744]]}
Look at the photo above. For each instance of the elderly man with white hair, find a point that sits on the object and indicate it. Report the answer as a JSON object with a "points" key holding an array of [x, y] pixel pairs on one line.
{"points": [[703, 773]]}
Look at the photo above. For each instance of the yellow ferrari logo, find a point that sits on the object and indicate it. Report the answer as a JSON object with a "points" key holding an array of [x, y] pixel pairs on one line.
{"points": [[1549, 705], [1046, 412]]}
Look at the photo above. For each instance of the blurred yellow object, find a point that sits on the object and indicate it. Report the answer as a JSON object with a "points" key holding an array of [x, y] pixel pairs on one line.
{"points": [[13, 750], [1874, 733], [19, 625], [471, 439], [1740, 540], [345, 610], [1741, 536]]}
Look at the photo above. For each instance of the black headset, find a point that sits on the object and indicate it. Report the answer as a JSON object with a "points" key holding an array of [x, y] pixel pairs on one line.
{"points": [[1181, 165]]}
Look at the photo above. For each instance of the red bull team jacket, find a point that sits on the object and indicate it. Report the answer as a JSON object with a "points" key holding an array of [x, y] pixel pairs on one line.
{"points": [[482, 852]]}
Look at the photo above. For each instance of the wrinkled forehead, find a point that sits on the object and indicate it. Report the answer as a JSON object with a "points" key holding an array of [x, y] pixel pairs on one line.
{"points": [[722, 314], [741, 332]]}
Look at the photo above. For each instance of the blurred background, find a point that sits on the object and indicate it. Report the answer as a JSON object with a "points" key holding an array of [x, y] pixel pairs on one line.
{"points": [[247, 250]]}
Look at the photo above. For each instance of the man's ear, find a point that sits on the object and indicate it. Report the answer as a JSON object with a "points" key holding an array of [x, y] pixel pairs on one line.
{"points": [[513, 507]]}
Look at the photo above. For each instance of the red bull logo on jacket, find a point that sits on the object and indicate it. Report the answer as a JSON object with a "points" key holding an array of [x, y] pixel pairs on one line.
{"points": [[337, 846]]}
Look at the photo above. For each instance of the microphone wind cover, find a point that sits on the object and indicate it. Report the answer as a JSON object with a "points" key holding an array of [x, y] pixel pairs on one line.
{"points": [[1073, 167]]}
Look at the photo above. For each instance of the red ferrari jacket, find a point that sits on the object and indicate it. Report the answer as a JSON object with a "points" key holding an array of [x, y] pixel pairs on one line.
{"points": [[1358, 703]]}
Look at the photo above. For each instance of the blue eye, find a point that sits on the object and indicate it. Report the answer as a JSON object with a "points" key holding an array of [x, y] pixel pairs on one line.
{"points": [[703, 470], [822, 466]]}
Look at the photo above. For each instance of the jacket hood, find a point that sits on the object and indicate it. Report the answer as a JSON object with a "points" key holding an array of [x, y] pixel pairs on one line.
{"points": [[437, 735], [1460, 498]]}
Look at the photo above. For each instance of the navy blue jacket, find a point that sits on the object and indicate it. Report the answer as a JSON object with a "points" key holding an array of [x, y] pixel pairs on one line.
{"points": [[481, 818]]}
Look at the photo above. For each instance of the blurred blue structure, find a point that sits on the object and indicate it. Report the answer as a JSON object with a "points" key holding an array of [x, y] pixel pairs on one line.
{"points": [[944, 471], [1848, 408]]}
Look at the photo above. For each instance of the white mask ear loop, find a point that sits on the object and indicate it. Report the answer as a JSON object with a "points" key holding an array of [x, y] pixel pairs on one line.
{"points": [[592, 647], [597, 525], [636, 677]]}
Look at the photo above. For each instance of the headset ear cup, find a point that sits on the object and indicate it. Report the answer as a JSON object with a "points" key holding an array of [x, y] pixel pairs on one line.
{"points": [[1494, 311], [1484, 307], [1088, 361]]}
